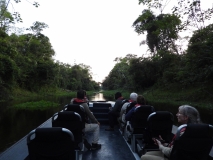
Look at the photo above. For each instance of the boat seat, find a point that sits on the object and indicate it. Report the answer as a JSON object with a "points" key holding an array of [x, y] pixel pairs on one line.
{"points": [[137, 125], [79, 109], [158, 123], [194, 143], [51, 144], [72, 121]]}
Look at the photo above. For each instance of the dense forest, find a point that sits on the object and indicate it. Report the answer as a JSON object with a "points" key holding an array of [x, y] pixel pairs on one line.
{"points": [[26, 60], [169, 64]]}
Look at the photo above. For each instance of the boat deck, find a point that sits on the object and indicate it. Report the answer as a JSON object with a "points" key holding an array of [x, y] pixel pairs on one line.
{"points": [[114, 146]]}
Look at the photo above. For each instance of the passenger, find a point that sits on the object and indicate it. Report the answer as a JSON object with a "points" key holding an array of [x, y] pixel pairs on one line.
{"points": [[140, 101], [186, 114], [133, 99], [85, 97], [89, 127], [114, 111], [79, 100]]}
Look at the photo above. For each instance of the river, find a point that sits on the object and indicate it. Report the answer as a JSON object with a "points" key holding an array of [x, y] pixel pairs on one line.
{"points": [[16, 123]]}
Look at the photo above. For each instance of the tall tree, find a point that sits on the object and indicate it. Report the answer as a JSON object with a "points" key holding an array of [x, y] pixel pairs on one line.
{"points": [[6, 18], [189, 11], [162, 30]]}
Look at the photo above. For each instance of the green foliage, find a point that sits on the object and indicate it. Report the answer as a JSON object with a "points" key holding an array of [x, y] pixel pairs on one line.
{"points": [[8, 70], [39, 105], [162, 30], [175, 94], [189, 11], [199, 58], [118, 76], [26, 62], [144, 72], [37, 27], [6, 18]]}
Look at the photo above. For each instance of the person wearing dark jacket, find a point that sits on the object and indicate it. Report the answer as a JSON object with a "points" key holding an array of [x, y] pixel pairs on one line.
{"points": [[140, 102], [114, 112]]}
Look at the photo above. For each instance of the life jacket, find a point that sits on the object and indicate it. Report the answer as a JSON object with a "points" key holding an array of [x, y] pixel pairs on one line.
{"points": [[78, 101], [173, 139]]}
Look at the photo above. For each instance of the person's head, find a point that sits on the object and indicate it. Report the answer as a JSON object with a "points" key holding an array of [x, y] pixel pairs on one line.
{"points": [[188, 114], [133, 96], [117, 95], [141, 100], [80, 94]]}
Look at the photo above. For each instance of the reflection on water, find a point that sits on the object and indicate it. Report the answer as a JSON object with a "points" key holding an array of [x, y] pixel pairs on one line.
{"points": [[97, 97]]}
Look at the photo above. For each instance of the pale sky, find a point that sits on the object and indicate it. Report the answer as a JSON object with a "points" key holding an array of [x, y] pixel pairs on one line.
{"points": [[92, 32]]}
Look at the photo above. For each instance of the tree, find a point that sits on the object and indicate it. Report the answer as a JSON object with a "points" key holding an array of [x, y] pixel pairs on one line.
{"points": [[189, 11], [7, 18], [199, 58], [162, 30]]}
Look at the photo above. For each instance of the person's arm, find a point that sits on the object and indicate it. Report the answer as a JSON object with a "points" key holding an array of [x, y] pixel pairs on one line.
{"points": [[89, 114], [165, 150], [123, 109], [115, 107]]}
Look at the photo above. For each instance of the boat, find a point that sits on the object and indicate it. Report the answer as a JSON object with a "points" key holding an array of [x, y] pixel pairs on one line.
{"points": [[114, 145]]}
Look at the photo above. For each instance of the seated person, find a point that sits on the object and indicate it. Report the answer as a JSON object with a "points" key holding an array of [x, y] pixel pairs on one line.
{"points": [[132, 101], [93, 127], [79, 101], [186, 114], [140, 101], [114, 111]]}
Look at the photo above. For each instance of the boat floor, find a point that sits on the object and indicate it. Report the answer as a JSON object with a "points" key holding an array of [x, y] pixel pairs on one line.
{"points": [[114, 146]]}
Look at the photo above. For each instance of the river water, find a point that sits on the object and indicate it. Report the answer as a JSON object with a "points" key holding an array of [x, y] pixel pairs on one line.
{"points": [[16, 123]]}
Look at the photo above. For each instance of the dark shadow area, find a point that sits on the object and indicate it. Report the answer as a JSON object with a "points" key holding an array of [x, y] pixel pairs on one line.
{"points": [[113, 147]]}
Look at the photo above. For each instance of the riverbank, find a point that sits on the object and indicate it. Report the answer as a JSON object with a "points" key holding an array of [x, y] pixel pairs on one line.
{"points": [[196, 96], [20, 94], [200, 97]]}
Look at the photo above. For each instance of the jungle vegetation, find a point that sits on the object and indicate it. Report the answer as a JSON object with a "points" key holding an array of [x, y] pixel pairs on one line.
{"points": [[183, 74], [26, 60]]}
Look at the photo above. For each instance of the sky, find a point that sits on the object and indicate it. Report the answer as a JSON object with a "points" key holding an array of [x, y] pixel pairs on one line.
{"points": [[92, 32]]}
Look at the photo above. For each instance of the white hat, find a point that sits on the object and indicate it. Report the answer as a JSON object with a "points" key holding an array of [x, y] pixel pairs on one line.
{"points": [[133, 96]]}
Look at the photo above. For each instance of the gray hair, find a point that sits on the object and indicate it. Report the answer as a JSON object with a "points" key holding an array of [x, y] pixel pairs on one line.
{"points": [[191, 112]]}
